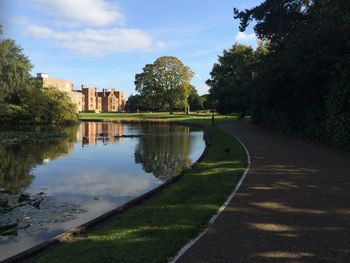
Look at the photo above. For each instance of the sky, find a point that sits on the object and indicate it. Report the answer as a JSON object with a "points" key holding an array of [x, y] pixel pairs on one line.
{"points": [[104, 43]]}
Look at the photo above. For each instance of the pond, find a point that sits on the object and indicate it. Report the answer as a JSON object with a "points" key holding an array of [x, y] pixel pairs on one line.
{"points": [[54, 179]]}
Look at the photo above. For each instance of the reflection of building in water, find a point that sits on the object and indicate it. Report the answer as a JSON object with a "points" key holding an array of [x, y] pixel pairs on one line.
{"points": [[165, 151], [106, 132]]}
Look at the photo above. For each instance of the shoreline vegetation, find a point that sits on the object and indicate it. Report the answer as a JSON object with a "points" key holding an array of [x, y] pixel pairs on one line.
{"points": [[24, 100], [158, 228]]}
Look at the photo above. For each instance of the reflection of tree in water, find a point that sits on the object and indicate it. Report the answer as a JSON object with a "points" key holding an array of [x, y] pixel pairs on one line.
{"points": [[28, 214], [18, 159], [163, 150]]}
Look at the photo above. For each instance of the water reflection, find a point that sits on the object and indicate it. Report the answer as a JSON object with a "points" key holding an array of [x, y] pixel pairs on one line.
{"points": [[50, 186], [106, 132], [19, 159], [165, 156]]}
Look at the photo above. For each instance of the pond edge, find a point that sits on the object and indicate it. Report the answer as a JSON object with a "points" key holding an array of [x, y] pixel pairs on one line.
{"points": [[37, 251]]}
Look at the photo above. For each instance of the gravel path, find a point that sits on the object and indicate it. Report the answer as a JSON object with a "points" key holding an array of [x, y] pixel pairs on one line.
{"points": [[294, 205]]}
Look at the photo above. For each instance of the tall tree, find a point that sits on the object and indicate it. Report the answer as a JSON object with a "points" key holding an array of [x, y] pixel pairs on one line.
{"points": [[164, 84], [231, 80], [152, 95], [14, 69], [303, 79]]}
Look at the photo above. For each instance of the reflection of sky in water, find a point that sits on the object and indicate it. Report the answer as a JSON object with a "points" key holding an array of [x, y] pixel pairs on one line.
{"points": [[101, 175]]}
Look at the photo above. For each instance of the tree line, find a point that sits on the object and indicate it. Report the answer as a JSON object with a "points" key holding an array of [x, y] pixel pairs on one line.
{"points": [[22, 97], [298, 79]]}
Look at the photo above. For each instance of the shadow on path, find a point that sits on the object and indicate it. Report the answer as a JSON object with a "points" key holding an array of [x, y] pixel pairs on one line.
{"points": [[294, 205]]}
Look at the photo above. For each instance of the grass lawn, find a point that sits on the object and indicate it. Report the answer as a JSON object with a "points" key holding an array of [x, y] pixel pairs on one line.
{"points": [[157, 229], [199, 118]]}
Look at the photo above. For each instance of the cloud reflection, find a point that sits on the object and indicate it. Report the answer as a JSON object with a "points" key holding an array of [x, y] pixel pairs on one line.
{"points": [[104, 182]]}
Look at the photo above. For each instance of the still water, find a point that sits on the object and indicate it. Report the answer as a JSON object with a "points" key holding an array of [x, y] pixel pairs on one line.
{"points": [[50, 186]]}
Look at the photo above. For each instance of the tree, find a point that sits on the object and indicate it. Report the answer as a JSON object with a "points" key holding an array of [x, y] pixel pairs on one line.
{"points": [[301, 83], [14, 70], [152, 95], [195, 101], [164, 84], [48, 105], [135, 103], [274, 18], [231, 80]]}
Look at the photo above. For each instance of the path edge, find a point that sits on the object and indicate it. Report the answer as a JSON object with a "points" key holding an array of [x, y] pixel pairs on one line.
{"points": [[193, 241]]}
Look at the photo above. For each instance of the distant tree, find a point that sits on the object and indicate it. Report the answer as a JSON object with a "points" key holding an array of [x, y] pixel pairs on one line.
{"points": [[164, 84], [135, 103], [209, 102], [231, 80], [195, 102], [151, 94]]}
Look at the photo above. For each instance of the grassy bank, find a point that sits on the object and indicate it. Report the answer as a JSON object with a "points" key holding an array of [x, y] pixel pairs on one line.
{"points": [[157, 229]]}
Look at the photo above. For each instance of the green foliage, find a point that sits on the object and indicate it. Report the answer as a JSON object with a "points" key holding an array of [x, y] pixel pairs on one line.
{"points": [[135, 103], [301, 73], [48, 105], [338, 109], [13, 112], [195, 102], [231, 80], [274, 18], [164, 84], [22, 99], [14, 70]]}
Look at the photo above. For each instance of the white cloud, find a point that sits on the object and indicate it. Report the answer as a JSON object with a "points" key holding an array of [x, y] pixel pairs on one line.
{"points": [[82, 12], [97, 42], [161, 44], [244, 38], [91, 27]]}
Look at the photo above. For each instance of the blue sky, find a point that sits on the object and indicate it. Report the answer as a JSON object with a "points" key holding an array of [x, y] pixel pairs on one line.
{"points": [[104, 43]]}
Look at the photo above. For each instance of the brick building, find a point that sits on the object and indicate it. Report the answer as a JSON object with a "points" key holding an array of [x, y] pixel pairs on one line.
{"points": [[89, 98], [111, 100], [86, 99], [108, 101]]}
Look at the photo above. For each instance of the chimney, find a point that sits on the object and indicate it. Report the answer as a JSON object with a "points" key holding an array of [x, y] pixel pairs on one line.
{"points": [[42, 75]]}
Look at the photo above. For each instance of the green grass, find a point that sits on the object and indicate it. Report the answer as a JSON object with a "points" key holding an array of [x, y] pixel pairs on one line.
{"points": [[159, 116], [157, 229]]}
